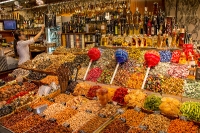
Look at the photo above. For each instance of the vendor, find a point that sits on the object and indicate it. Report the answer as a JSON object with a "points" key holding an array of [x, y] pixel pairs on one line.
{"points": [[22, 45]]}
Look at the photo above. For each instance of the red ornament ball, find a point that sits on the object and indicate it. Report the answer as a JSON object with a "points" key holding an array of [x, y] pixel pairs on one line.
{"points": [[94, 54], [152, 58]]}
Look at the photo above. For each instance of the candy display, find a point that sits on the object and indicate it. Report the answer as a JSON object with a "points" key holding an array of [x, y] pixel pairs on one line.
{"points": [[152, 59], [81, 89], [175, 56], [178, 71], [20, 72], [172, 86], [132, 117], [81, 72], [92, 91], [119, 95], [121, 57], [191, 89], [92, 124], [152, 102], [178, 125], [121, 78], [116, 127], [92, 106], [94, 74], [170, 106], [156, 123], [135, 80], [136, 54], [161, 69], [135, 98], [94, 54], [191, 110], [111, 92], [106, 76], [49, 79]]}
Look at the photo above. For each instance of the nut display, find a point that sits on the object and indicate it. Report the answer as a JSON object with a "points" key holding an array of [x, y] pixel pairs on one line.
{"points": [[81, 89], [44, 64], [156, 123], [92, 124], [61, 129], [62, 98], [49, 79], [137, 130], [53, 109], [79, 120], [117, 126], [36, 75], [135, 81], [8, 78], [91, 105], [109, 110], [121, 77], [178, 125], [64, 115], [43, 127], [77, 102], [133, 118], [5, 109], [12, 119], [27, 124], [40, 102]]}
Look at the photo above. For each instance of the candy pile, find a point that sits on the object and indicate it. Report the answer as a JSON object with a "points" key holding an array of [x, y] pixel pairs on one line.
{"points": [[153, 83], [81, 72], [156, 123], [179, 71], [172, 86], [152, 102], [8, 79], [119, 95], [111, 92], [165, 56], [36, 75], [170, 106], [94, 74], [105, 76], [136, 54], [135, 98], [121, 77], [62, 98], [191, 110], [135, 81], [191, 89], [132, 117], [160, 69], [178, 125]]}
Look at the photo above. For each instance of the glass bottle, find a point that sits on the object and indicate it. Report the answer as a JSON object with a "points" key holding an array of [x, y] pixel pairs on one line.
{"points": [[149, 25], [102, 95], [137, 17], [149, 41], [181, 37], [103, 28], [145, 20], [192, 72], [191, 59], [182, 59]]}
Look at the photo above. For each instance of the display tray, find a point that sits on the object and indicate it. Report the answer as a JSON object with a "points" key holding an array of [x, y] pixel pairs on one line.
{"points": [[4, 130]]}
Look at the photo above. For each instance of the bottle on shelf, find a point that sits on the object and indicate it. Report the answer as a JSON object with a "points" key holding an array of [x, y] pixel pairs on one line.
{"points": [[192, 73], [137, 19], [183, 59], [146, 19]]}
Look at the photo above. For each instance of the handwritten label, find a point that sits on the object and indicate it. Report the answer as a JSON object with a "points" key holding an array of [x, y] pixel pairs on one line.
{"points": [[156, 112], [29, 109], [183, 118]]}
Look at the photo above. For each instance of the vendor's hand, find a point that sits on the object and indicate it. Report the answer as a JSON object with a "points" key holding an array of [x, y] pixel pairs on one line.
{"points": [[42, 29]]}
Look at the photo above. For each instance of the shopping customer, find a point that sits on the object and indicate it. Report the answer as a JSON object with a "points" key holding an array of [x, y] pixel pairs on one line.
{"points": [[22, 45]]}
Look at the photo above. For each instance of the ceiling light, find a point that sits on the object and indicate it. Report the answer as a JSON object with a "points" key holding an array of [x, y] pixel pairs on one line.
{"points": [[6, 1]]}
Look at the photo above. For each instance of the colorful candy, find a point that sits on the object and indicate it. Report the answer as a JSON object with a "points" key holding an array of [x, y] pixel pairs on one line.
{"points": [[165, 56]]}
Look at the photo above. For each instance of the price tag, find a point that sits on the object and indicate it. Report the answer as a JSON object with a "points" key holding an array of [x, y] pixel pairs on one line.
{"points": [[143, 127], [51, 100], [94, 98], [137, 109], [67, 125], [120, 111], [67, 92], [123, 119], [102, 115], [29, 109], [81, 131], [115, 103], [183, 118], [156, 112], [52, 119], [63, 103], [88, 111]]}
